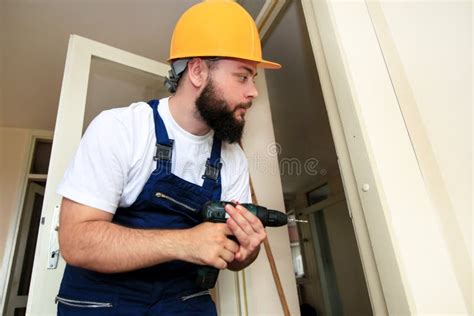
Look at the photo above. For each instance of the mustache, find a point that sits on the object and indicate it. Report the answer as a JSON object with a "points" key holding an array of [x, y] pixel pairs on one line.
{"points": [[245, 106]]}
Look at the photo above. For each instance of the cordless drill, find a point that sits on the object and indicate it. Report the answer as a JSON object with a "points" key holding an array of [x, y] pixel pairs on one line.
{"points": [[213, 211]]}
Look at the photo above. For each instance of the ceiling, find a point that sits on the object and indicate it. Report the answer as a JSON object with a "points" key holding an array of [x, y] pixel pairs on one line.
{"points": [[34, 39]]}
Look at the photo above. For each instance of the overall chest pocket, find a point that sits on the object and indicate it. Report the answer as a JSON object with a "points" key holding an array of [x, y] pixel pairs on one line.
{"points": [[178, 209], [175, 202]]}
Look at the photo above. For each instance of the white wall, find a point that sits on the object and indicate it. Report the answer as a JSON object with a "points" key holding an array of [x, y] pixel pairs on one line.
{"points": [[434, 43], [428, 50]]}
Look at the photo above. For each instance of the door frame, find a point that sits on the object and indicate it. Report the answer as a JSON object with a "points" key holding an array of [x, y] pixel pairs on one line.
{"points": [[385, 158], [352, 148], [20, 247], [14, 226]]}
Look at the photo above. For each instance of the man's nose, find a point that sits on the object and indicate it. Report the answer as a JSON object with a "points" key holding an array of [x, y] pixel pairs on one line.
{"points": [[252, 91]]}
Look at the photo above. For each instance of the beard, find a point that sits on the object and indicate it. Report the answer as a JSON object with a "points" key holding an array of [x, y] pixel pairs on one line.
{"points": [[217, 114]]}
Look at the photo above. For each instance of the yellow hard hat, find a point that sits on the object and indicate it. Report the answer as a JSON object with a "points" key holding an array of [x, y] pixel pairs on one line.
{"points": [[217, 28]]}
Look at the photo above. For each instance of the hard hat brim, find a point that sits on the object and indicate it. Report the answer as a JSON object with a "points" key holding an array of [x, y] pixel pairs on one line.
{"points": [[268, 65]]}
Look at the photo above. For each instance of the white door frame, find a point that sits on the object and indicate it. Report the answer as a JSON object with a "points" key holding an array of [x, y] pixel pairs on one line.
{"points": [[14, 226], [13, 300], [397, 225]]}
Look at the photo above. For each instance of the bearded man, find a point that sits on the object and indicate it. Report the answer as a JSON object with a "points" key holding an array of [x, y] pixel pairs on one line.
{"points": [[130, 230]]}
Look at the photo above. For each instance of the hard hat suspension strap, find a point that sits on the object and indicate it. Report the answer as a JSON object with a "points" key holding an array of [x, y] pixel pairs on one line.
{"points": [[177, 69]]}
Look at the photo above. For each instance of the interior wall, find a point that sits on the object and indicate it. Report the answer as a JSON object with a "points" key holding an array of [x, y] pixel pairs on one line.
{"points": [[299, 114], [434, 43], [265, 177], [14, 151], [2, 48]]}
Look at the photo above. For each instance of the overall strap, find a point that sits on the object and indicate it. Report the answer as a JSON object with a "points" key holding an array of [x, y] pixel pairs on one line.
{"points": [[164, 145], [212, 174]]}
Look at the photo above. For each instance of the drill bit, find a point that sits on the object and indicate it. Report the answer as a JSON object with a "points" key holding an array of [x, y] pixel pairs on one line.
{"points": [[294, 220]]}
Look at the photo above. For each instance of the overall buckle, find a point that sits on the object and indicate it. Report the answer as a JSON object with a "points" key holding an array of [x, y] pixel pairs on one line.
{"points": [[163, 152], [212, 172]]}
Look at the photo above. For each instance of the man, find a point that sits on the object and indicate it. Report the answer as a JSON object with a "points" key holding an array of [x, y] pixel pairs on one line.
{"points": [[129, 228]]}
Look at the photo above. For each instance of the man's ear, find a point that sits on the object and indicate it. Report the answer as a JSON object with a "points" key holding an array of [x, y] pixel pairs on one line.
{"points": [[197, 72]]}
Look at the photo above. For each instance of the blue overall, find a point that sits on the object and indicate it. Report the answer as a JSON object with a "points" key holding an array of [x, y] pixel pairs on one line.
{"points": [[166, 201]]}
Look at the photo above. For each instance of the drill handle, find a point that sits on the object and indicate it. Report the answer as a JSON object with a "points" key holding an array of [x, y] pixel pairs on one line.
{"points": [[207, 277]]}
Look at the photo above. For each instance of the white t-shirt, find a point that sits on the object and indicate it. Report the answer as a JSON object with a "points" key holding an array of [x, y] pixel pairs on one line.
{"points": [[115, 159]]}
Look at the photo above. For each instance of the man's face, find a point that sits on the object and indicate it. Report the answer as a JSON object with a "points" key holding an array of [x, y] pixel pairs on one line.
{"points": [[226, 97]]}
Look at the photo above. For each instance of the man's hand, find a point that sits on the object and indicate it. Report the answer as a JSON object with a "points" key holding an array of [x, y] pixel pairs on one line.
{"points": [[207, 244], [89, 240], [250, 233]]}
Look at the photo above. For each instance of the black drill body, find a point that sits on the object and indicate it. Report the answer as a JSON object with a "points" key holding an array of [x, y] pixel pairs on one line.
{"points": [[214, 211]]}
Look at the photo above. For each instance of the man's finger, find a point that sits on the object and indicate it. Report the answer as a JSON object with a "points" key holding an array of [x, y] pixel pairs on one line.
{"points": [[238, 217], [254, 221], [231, 246], [224, 228], [227, 255], [241, 235], [220, 264]]}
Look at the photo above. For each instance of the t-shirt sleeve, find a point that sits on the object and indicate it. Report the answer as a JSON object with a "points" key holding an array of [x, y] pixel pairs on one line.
{"points": [[97, 174]]}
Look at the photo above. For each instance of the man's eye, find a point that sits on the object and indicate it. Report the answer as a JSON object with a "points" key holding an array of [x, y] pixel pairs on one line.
{"points": [[243, 78]]}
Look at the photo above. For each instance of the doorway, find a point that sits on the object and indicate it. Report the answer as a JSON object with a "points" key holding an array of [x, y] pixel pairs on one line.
{"points": [[18, 287], [327, 264]]}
